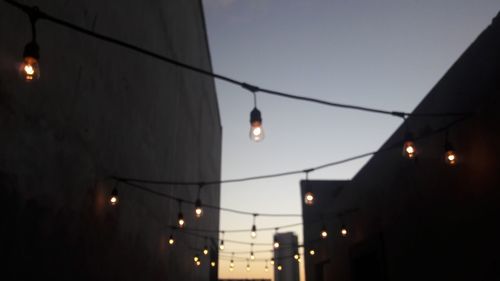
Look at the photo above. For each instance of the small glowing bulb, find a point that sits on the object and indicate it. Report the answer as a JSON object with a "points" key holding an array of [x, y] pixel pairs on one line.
{"points": [[280, 267], [205, 251], [113, 200], [212, 264], [248, 267], [198, 210], [409, 150], [231, 264], [253, 233], [272, 261], [312, 252], [309, 198], [266, 269], [30, 69], [450, 158], [221, 246], [256, 131], [324, 234], [252, 257], [231, 268], [198, 263], [171, 240], [296, 256], [196, 258], [276, 244], [343, 231]]}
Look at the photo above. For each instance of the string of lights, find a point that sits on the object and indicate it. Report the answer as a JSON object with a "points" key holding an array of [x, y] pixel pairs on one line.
{"points": [[36, 14]]}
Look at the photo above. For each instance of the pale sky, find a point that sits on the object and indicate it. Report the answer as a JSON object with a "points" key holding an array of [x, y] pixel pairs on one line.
{"points": [[385, 54]]}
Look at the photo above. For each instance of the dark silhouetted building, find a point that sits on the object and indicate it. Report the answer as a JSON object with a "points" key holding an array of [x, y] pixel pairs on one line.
{"points": [[100, 111], [422, 219], [286, 267]]}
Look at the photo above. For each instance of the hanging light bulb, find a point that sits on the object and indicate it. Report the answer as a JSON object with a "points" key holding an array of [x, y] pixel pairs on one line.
{"points": [[280, 267], [212, 263], [256, 131], [30, 69], [450, 156], [196, 258], [252, 256], [248, 265], [296, 256], [312, 252], [324, 233], [198, 263], [266, 268], [253, 233], [272, 261], [171, 240], [231, 263], [180, 220], [231, 269], [221, 245], [409, 150], [343, 231], [113, 200], [276, 244], [198, 210], [309, 198], [205, 250]]}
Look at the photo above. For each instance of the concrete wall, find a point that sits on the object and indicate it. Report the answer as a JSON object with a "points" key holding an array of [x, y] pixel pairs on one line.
{"points": [[423, 220], [100, 111]]}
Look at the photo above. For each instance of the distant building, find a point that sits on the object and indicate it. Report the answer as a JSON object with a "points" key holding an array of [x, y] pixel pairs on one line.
{"points": [[286, 267], [422, 219], [244, 279]]}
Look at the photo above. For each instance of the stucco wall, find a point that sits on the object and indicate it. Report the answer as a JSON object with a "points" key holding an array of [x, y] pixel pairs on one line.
{"points": [[99, 111]]}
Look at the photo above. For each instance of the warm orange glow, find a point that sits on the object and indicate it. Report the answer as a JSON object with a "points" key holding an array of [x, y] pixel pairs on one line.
{"points": [[198, 263], [198, 211], [343, 231], [113, 200], [409, 150], [29, 69], [181, 223], [309, 198], [256, 131], [450, 158]]}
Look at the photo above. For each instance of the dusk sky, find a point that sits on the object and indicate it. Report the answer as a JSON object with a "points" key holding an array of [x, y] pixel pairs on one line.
{"points": [[386, 54]]}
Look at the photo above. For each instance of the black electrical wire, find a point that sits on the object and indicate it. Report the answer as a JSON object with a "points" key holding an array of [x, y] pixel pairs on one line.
{"points": [[36, 13]]}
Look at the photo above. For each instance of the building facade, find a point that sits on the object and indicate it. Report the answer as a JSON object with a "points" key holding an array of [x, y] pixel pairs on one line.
{"points": [[422, 219], [100, 111], [286, 267]]}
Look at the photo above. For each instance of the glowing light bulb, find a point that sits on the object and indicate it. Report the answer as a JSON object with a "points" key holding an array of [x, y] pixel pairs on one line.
{"points": [[309, 198], [450, 156], [181, 220], [272, 261], [296, 256], [113, 200], [248, 267], [343, 231], [256, 131], [276, 244], [312, 252], [30, 70], [205, 251], [280, 267], [196, 258], [252, 256], [198, 263], [221, 246], [171, 240], [409, 150], [231, 268], [198, 210], [231, 264], [253, 233], [324, 233], [212, 264], [266, 269]]}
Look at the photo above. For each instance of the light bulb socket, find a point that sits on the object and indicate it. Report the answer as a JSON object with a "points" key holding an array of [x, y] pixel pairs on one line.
{"points": [[255, 117], [31, 50]]}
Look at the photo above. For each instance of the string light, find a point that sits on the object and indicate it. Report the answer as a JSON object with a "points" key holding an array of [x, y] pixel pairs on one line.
{"points": [[296, 256], [180, 216], [450, 156], [196, 258], [256, 131], [198, 210], [266, 268], [253, 232], [29, 68], [280, 267], [276, 244], [409, 149], [231, 263], [221, 245], [343, 231], [198, 263], [213, 264], [312, 252], [248, 265], [113, 199], [205, 250], [171, 240], [252, 256], [324, 233], [308, 195], [272, 261]]}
